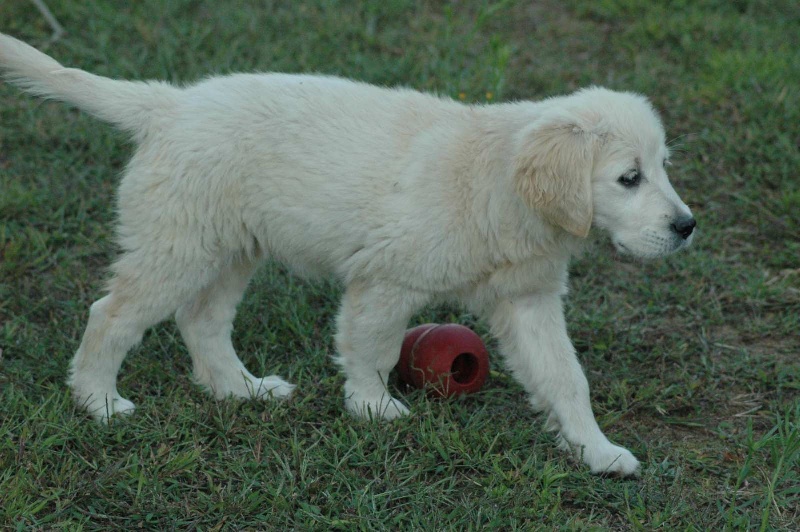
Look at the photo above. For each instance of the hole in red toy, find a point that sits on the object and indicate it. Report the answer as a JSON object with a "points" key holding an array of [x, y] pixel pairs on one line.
{"points": [[464, 369]]}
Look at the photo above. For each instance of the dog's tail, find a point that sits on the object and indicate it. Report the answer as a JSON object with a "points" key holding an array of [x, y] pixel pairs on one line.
{"points": [[134, 106]]}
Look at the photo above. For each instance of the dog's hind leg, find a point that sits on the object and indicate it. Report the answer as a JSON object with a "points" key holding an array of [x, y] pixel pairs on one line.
{"points": [[206, 323], [147, 287]]}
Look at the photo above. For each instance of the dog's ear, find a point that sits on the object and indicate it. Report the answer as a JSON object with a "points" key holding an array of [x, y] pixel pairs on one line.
{"points": [[553, 172]]}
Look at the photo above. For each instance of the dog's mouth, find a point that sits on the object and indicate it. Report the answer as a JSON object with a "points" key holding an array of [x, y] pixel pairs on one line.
{"points": [[652, 248], [621, 248]]}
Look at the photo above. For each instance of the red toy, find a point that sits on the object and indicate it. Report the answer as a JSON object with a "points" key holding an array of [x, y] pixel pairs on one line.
{"points": [[447, 360]]}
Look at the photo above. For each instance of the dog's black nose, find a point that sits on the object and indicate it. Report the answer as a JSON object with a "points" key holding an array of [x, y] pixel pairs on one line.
{"points": [[684, 226]]}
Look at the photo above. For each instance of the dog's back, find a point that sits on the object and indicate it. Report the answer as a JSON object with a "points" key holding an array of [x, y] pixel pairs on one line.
{"points": [[259, 163]]}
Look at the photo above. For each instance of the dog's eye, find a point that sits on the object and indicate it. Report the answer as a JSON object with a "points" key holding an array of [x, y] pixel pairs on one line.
{"points": [[630, 179]]}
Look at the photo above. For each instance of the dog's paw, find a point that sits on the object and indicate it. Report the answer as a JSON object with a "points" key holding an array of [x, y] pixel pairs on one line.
{"points": [[103, 405], [243, 385], [610, 459], [384, 407], [272, 387]]}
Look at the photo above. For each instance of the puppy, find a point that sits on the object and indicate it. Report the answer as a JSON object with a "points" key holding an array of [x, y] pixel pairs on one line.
{"points": [[406, 198]]}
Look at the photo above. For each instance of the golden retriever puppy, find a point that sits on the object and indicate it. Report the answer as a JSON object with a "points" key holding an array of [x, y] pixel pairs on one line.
{"points": [[404, 197]]}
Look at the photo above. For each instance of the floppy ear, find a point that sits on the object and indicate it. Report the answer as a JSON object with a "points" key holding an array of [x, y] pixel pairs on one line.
{"points": [[553, 172]]}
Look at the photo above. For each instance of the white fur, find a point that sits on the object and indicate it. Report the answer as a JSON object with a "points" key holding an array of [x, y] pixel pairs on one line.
{"points": [[406, 198]]}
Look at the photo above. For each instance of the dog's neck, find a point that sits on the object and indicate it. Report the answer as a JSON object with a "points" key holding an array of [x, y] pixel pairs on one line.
{"points": [[512, 229]]}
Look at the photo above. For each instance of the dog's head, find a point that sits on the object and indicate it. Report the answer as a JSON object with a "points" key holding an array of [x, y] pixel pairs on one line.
{"points": [[599, 158]]}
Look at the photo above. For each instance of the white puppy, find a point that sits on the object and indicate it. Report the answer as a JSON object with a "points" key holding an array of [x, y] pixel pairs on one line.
{"points": [[406, 198]]}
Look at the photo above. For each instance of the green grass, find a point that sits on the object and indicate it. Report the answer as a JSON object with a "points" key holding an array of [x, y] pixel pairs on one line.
{"points": [[693, 360]]}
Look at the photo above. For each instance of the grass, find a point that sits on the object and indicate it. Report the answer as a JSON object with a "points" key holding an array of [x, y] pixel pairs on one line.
{"points": [[692, 360]]}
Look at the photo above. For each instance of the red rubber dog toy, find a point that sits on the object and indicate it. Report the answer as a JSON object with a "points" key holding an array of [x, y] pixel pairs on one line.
{"points": [[446, 360]]}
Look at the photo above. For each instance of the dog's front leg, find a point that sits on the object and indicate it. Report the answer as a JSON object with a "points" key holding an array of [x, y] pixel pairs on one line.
{"points": [[533, 337], [370, 327]]}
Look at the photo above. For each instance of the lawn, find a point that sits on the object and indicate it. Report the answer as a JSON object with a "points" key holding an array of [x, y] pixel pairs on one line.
{"points": [[693, 361]]}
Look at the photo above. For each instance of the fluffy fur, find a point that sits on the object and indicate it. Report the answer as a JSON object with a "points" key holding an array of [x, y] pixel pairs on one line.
{"points": [[406, 198]]}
